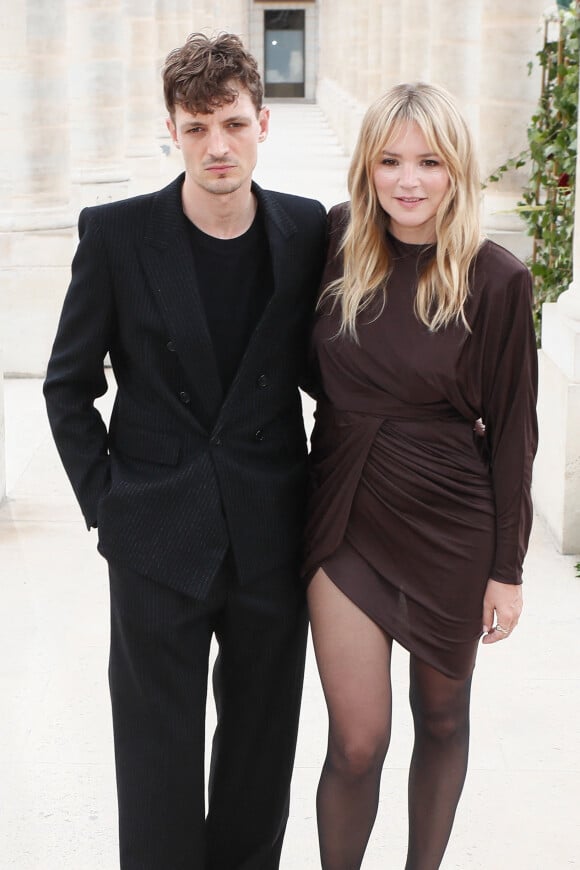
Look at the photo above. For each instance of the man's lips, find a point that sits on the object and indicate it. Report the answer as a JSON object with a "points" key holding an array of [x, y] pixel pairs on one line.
{"points": [[220, 167]]}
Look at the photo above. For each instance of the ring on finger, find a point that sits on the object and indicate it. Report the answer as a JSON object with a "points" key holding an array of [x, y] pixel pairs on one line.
{"points": [[501, 630]]}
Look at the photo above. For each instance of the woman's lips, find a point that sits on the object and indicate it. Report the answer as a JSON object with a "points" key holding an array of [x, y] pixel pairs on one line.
{"points": [[409, 201]]}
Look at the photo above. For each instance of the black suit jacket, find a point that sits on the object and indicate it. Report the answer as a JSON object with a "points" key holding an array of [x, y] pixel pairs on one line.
{"points": [[183, 471]]}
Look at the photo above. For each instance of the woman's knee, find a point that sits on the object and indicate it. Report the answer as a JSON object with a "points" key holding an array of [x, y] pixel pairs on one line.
{"points": [[441, 719], [358, 754], [441, 716], [442, 726]]}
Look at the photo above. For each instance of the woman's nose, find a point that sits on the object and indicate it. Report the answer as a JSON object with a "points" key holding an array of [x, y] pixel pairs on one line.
{"points": [[408, 175]]}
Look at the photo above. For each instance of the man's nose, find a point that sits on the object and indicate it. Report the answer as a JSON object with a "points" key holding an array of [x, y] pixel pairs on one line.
{"points": [[217, 145]]}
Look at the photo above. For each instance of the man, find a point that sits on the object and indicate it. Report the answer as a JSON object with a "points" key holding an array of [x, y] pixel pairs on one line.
{"points": [[202, 294]]}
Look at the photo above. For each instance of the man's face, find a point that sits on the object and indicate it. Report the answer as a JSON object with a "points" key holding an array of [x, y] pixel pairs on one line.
{"points": [[220, 150]]}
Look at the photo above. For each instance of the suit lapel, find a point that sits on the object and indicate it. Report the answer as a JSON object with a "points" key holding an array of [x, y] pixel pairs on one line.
{"points": [[169, 265]]}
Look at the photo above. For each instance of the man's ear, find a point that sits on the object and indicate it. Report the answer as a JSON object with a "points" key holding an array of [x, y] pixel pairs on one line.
{"points": [[172, 131], [264, 121]]}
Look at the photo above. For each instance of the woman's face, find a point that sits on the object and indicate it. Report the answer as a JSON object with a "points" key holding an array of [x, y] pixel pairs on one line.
{"points": [[410, 181]]}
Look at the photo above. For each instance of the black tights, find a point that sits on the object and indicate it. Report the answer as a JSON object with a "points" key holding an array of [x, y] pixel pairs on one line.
{"points": [[353, 656], [440, 708]]}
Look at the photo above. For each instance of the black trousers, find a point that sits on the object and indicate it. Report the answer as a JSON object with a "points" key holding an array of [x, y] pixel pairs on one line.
{"points": [[158, 673]]}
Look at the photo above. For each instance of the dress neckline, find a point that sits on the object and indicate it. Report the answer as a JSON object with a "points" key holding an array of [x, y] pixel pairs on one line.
{"points": [[408, 249]]}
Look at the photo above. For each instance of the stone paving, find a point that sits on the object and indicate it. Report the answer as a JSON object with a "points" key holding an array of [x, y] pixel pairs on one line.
{"points": [[520, 805]]}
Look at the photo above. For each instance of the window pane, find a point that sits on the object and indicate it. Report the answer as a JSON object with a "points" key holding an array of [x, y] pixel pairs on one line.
{"points": [[284, 56]]}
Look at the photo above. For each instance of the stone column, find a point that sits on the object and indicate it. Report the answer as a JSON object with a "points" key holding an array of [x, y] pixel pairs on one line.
{"points": [[358, 67], [166, 17], [342, 88], [36, 219], [98, 91], [390, 44], [416, 25], [455, 53], [512, 34], [167, 39], [373, 79], [184, 20], [143, 88], [557, 468]]}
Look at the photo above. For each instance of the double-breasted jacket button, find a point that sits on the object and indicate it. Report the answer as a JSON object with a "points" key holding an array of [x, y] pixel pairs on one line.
{"points": [[184, 397], [259, 435], [263, 382], [170, 346]]}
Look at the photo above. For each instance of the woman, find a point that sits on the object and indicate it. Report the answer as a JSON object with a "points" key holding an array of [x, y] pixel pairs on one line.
{"points": [[421, 461]]}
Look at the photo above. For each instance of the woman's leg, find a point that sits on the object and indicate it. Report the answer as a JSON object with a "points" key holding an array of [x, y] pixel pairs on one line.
{"points": [[353, 656], [440, 707]]}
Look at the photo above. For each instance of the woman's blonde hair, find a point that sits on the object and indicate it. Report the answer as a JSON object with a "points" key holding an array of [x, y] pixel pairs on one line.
{"points": [[443, 285]]}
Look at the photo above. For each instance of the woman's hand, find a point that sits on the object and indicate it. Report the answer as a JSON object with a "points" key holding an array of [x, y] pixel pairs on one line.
{"points": [[505, 601]]}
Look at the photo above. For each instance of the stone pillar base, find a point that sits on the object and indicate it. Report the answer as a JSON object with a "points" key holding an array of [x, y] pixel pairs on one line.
{"points": [[556, 486], [503, 225]]}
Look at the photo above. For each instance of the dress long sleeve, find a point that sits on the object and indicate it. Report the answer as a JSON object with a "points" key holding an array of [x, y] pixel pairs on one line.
{"points": [[510, 384]]}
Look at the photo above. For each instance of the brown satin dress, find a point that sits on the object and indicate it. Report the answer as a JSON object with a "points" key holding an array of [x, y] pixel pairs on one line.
{"points": [[411, 511]]}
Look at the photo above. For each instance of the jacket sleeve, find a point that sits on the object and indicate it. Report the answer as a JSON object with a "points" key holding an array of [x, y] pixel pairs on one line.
{"points": [[511, 425], [308, 376], [336, 223], [75, 373]]}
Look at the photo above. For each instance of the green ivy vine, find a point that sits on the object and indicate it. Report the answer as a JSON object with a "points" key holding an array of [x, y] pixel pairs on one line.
{"points": [[547, 201]]}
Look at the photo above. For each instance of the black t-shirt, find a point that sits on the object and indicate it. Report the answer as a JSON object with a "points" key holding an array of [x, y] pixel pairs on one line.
{"points": [[235, 283]]}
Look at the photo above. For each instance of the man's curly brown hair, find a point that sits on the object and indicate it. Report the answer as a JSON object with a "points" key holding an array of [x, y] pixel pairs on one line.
{"points": [[206, 72]]}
